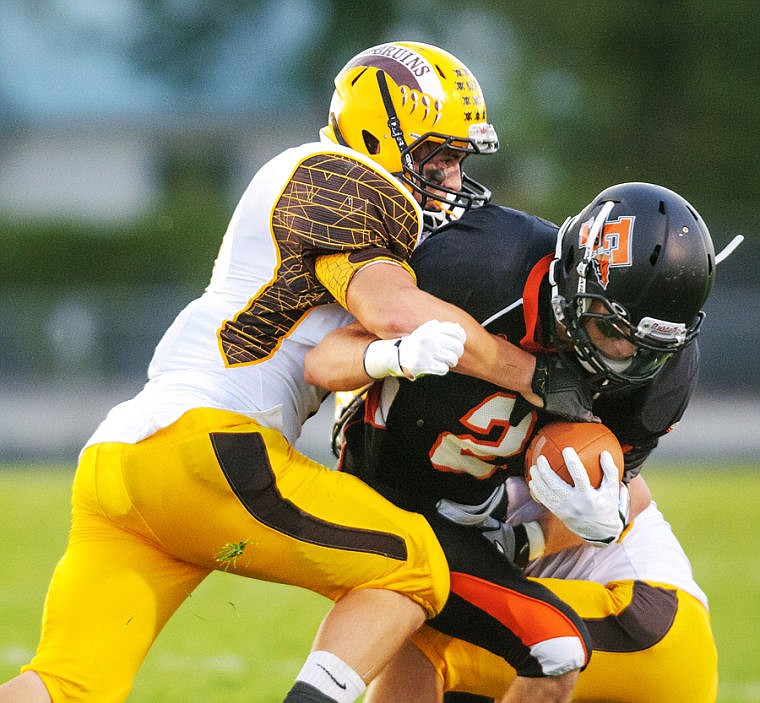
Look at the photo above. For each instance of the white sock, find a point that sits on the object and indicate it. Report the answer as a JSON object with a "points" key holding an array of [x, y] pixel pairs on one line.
{"points": [[332, 676]]}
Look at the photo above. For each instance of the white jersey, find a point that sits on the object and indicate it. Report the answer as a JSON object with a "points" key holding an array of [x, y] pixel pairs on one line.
{"points": [[649, 551], [241, 345]]}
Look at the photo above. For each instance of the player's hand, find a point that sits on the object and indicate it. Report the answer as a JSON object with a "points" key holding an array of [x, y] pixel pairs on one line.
{"points": [[591, 513], [433, 348], [563, 389]]}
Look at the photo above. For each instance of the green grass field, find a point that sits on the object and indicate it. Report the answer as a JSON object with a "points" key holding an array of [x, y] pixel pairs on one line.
{"points": [[236, 640]]}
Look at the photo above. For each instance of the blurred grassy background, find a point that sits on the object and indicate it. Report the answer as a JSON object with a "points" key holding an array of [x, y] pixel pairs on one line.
{"points": [[240, 641]]}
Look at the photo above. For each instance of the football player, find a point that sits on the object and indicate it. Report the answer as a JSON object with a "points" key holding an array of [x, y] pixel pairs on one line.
{"points": [[617, 293], [197, 472], [648, 620]]}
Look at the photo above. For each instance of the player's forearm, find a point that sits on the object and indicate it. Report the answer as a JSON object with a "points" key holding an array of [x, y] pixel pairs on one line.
{"points": [[337, 362], [641, 496], [497, 360], [387, 302], [556, 535]]}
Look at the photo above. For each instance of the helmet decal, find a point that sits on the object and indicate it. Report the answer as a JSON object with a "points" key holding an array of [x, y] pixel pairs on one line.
{"points": [[647, 287], [424, 101], [613, 248], [409, 70], [403, 65]]}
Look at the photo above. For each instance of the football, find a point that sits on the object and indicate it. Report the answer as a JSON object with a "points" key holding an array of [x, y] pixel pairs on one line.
{"points": [[588, 439]]}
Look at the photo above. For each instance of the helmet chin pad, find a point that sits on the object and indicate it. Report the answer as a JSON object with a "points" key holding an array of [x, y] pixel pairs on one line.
{"points": [[617, 366]]}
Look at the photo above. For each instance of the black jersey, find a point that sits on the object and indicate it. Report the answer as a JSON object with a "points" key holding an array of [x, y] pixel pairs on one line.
{"points": [[450, 436]]}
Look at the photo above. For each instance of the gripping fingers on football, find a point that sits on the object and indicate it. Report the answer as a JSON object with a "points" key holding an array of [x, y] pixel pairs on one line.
{"points": [[546, 487], [576, 469], [609, 468], [590, 513]]}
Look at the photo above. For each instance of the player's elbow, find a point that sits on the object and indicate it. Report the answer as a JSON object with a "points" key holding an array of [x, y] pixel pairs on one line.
{"points": [[311, 369], [317, 369]]}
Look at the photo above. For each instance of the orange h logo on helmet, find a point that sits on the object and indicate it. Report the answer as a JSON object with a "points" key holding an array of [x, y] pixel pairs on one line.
{"points": [[614, 246]]}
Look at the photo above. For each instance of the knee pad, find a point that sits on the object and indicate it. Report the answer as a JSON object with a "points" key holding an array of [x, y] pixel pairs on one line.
{"points": [[559, 655]]}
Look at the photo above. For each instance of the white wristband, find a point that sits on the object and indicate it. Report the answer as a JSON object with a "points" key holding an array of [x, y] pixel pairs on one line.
{"points": [[381, 358], [536, 542]]}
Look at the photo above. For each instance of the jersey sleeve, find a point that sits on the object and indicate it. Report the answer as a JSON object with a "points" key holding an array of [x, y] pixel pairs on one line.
{"points": [[335, 271], [335, 203], [322, 203]]}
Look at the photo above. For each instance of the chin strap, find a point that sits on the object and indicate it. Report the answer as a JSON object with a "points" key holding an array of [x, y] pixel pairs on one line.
{"points": [[336, 130], [393, 121]]}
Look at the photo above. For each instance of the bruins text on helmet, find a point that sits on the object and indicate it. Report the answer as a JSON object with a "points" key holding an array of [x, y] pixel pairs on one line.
{"points": [[646, 256], [391, 98]]}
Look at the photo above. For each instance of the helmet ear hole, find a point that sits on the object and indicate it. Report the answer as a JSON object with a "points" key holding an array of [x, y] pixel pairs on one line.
{"points": [[371, 142]]}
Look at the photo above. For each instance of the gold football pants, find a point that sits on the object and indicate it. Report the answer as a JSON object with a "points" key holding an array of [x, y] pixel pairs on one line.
{"points": [[215, 490], [652, 642]]}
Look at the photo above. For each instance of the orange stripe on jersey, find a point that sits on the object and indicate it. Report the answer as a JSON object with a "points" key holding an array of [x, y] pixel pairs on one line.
{"points": [[372, 412], [530, 341], [530, 619]]}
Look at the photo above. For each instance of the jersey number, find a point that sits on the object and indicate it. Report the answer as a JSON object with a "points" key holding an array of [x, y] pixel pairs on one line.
{"points": [[478, 452]]}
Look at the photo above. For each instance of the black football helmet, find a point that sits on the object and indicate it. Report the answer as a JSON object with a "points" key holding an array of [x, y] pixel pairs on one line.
{"points": [[647, 257]]}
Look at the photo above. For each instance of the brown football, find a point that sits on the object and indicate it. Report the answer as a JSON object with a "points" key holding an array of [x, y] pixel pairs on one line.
{"points": [[588, 439]]}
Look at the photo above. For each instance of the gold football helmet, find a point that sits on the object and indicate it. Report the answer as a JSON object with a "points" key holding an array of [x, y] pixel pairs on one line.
{"points": [[393, 97]]}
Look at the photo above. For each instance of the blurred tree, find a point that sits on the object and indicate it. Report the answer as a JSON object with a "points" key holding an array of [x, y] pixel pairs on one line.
{"points": [[180, 39], [646, 90], [184, 40], [649, 89]]}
